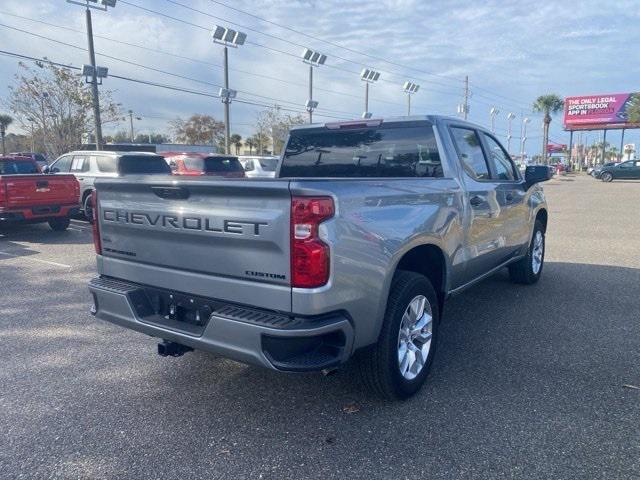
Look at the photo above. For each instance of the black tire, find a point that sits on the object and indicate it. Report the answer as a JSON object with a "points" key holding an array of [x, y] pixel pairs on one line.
{"points": [[379, 364], [523, 271], [87, 207], [606, 177], [59, 224]]}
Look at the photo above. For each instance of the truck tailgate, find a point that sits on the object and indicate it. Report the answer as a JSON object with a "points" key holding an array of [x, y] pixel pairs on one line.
{"points": [[35, 190], [197, 228]]}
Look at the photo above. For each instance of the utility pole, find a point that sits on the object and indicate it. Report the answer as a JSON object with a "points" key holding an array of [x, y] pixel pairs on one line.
{"points": [[131, 125], [94, 82], [94, 74]]}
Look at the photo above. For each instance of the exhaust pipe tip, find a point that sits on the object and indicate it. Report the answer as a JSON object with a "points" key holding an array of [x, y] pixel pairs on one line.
{"points": [[172, 349]]}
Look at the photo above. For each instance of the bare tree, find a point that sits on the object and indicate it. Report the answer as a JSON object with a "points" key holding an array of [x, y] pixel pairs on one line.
{"points": [[276, 124], [198, 129], [55, 102]]}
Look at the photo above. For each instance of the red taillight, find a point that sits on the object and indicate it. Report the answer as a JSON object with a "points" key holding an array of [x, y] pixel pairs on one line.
{"points": [[96, 228], [309, 254]]}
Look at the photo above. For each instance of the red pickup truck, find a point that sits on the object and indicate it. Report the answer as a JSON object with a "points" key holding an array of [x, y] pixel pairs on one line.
{"points": [[28, 196]]}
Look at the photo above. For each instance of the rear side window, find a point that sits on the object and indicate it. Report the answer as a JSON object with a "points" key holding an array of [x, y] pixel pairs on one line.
{"points": [[143, 164], [222, 164], [470, 152], [502, 164], [15, 167], [106, 164], [385, 151], [79, 164]]}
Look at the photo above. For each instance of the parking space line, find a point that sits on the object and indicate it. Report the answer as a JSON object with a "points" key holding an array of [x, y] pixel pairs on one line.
{"points": [[56, 264]]}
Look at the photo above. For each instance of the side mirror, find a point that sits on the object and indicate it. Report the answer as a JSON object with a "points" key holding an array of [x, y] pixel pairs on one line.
{"points": [[536, 174], [45, 169]]}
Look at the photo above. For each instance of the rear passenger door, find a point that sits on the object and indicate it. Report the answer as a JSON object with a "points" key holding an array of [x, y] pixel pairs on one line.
{"points": [[80, 168], [483, 239], [513, 215]]}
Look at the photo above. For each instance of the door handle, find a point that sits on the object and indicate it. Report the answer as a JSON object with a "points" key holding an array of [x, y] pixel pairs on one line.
{"points": [[476, 201]]}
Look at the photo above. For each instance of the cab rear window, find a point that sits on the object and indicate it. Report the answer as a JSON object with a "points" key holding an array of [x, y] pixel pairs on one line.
{"points": [[17, 167], [384, 151]]}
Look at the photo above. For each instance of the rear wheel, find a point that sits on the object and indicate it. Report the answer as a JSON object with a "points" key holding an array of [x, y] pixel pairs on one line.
{"points": [[397, 366], [606, 177], [529, 269], [87, 206], [59, 224]]}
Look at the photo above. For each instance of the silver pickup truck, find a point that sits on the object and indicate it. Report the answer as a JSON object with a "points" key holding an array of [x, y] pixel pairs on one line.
{"points": [[352, 250]]}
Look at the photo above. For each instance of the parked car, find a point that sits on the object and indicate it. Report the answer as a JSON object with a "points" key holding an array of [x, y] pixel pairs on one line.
{"points": [[370, 226], [259, 166], [89, 165], [28, 196], [625, 170], [40, 159], [597, 170], [211, 164]]}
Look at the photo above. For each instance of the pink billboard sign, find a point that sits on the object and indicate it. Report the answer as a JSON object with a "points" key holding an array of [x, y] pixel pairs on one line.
{"points": [[598, 109]]}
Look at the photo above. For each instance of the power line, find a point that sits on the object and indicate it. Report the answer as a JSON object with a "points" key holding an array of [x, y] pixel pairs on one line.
{"points": [[360, 64], [156, 84], [157, 70]]}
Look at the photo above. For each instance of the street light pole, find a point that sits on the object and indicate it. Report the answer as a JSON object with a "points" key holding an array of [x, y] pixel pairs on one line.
{"points": [[94, 82], [525, 120], [493, 112], [510, 117], [226, 101], [410, 88], [368, 76], [228, 38], [314, 59]]}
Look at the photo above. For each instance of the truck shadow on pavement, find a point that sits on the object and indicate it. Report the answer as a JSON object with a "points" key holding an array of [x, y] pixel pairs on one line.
{"points": [[41, 233], [514, 364]]}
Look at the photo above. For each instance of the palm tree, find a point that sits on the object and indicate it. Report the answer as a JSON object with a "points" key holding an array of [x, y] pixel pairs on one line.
{"points": [[236, 140], [549, 105], [5, 121], [250, 142]]}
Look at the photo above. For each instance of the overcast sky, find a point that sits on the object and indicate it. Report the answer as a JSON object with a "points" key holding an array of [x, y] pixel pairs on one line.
{"points": [[512, 52]]}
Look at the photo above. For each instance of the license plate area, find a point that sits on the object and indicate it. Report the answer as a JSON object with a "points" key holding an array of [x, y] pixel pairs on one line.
{"points": [[45, 210], [174, 310]]}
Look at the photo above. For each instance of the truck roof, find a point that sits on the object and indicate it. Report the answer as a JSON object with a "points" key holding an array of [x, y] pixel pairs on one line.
{"points": [[110, 152], [378, 120]]}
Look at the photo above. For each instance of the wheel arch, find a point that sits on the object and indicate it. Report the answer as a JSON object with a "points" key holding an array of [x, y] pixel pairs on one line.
{"points": [[543, 216]]}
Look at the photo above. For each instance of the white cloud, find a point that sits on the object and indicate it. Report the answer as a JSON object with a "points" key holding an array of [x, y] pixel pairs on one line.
{"points": [[512, 52]]}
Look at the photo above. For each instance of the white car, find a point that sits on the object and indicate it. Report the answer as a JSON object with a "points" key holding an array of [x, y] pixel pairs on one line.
{"points": [[259, 166]]}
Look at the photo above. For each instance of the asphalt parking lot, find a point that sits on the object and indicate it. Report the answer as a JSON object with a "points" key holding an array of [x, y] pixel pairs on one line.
{"points": [[529, 382]]}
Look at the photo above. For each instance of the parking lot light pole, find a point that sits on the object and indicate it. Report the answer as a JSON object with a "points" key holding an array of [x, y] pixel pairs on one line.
{"points": [[525, 120], [313, 59], [99, 5], [510, 117], [228, 38], [493, 113], [131, 117], [410, 88], [368, 76]]}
